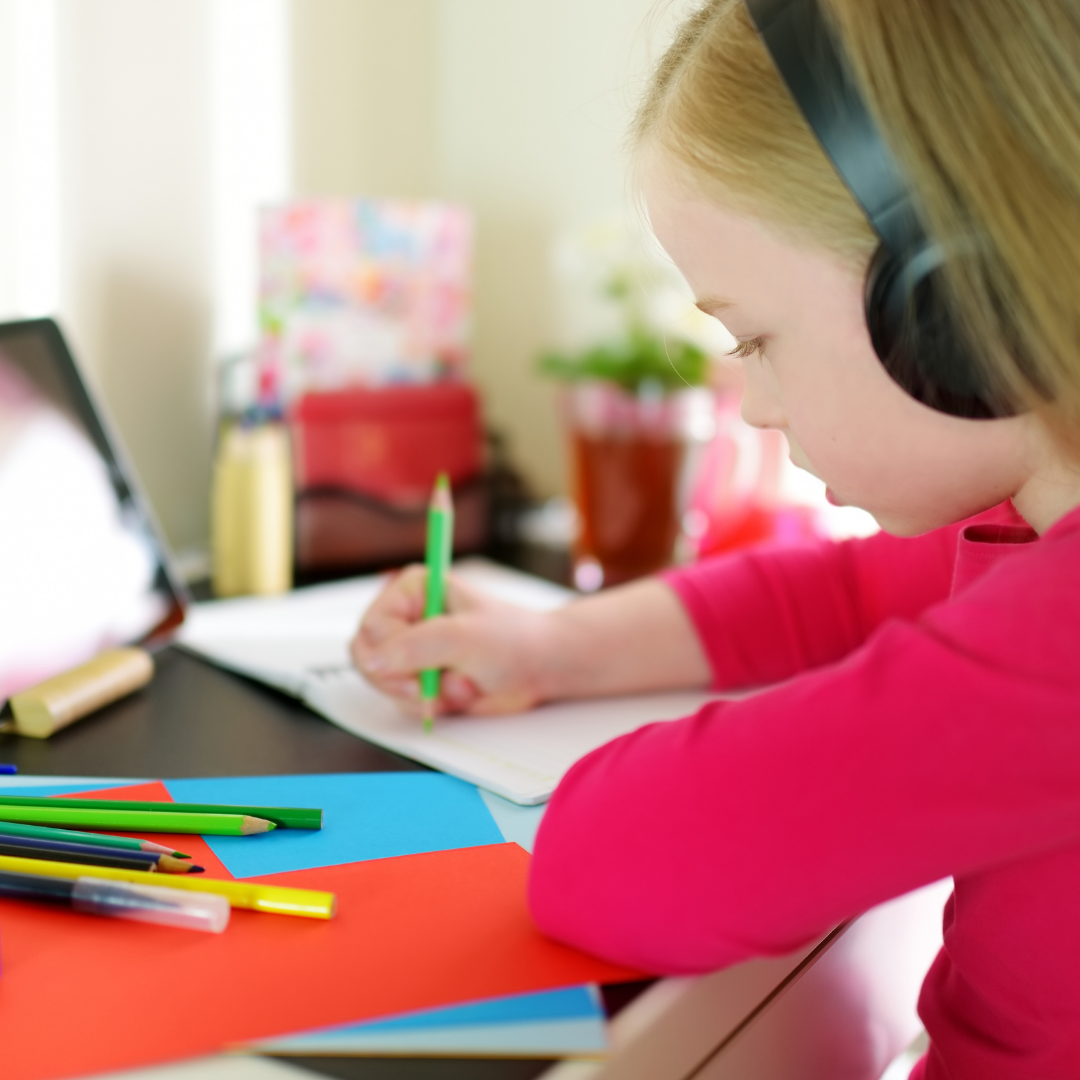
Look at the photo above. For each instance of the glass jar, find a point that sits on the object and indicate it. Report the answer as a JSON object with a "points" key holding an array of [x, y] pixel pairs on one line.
{"points": [[628, 452]]}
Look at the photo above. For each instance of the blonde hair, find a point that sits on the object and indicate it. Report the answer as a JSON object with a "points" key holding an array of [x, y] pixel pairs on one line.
{"points": [[980, 103]]}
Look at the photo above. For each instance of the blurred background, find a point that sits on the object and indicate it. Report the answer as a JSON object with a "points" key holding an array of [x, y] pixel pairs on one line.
{"points": [[144, 137]]}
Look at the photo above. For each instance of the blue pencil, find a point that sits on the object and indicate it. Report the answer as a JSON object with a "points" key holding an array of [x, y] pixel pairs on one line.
{"points": [[94, 855], [8, 770]]}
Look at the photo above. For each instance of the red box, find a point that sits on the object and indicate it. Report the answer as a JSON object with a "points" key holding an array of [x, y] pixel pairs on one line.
{"points": [[365, 464], [389, 443]]}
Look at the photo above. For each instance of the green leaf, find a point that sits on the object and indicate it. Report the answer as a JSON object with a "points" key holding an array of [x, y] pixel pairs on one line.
{"points": [[640, 357]]}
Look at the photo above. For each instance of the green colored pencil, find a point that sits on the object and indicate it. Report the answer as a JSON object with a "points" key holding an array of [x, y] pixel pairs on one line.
{"points": [[285, 817], [440, 544], [137, 820], [70, 836]]}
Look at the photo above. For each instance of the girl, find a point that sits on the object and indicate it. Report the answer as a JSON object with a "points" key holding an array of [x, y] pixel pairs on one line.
{"points": [[927, 717]]}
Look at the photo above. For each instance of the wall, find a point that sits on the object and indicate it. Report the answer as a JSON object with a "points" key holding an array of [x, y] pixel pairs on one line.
{"points": [[533, 107], [517, 109], [29, 250], [136, 214], [364, 76], [143, 134], [171, 127]]}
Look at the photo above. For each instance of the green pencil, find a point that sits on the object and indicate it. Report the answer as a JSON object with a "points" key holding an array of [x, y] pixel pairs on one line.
{"points": [[285, 817], [137, 820], [440, 543], [70, 836]]}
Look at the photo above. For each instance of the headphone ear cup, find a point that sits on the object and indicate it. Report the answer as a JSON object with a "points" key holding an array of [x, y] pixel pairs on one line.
{"points": [[916, 337]]}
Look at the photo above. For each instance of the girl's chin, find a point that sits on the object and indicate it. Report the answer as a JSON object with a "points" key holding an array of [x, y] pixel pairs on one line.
{"points": [[830, 495]]}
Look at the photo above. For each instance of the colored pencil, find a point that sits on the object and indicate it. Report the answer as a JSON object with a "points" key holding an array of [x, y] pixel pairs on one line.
{"points": [[285, 817], [274, 899], [439, 551], [128, 860], [136, 820], [73, 836], [8, 770], [95, 855]]}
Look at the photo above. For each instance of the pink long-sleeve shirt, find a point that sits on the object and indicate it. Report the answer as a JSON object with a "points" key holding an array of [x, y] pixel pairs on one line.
{"points": [[929, 725]]}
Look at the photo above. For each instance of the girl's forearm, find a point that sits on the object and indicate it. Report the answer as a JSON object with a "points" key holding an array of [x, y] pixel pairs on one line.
{"points": [[632, 639]]}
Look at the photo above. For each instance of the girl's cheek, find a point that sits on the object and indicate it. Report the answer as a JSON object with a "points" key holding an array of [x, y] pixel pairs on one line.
{"points": [[763, 404]]}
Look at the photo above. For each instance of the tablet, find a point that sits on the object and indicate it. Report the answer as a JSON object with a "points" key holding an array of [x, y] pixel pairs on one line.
{"points": [[83, 566]]}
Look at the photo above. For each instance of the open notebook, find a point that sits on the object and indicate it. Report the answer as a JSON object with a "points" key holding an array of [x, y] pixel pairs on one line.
{"points": [[299, 644]]}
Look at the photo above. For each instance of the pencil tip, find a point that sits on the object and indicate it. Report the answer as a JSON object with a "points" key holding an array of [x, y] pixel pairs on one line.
{"points": [[251, 825], [441, 498], [196, 870]]}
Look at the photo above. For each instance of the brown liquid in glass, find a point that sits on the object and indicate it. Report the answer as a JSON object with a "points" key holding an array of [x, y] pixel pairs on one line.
{"points": [[626, 493]]}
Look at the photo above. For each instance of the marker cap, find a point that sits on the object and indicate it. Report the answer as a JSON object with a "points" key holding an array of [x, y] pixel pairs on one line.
{"points": [[151, 903]]}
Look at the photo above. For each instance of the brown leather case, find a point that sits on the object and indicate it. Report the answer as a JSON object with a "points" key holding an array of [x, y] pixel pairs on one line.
{"points": [[338, 530]]}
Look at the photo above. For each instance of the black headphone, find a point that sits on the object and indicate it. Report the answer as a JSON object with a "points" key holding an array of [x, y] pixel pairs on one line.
{"points": [[912, 329]]}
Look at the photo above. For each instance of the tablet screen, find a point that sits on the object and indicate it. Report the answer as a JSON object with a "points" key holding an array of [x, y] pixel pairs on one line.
{"points": [[82, 567]]}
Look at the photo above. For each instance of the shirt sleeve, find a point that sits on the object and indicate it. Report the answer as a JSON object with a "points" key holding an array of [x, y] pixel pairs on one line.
{"points": [[767, 614], [941, 746]]}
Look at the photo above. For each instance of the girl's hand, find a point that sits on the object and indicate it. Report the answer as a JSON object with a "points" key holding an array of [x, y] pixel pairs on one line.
{"points": [[490, 652]]}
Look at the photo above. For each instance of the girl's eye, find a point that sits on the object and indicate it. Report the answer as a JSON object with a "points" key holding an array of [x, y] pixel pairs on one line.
{"points": [[748, 348]]}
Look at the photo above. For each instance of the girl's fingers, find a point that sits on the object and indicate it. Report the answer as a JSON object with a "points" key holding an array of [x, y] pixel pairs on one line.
{"points": [[398, 606], [369, 661], [458, 692], [401, 689], [435, 643], [502, 704], [401, 605], [473, 645], [461, 597]]}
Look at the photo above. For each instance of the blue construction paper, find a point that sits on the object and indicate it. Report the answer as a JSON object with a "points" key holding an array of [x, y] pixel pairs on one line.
{"points": [[517, 823], [545, 1038], [365, 816], [567, 1020], [569, 1003]]}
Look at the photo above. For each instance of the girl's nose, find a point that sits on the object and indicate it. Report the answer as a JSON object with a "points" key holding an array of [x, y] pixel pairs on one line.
{"points": [[761, 404]]}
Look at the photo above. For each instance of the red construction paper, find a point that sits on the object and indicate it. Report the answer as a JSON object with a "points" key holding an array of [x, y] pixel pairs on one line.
{"points": [[412, 932]]}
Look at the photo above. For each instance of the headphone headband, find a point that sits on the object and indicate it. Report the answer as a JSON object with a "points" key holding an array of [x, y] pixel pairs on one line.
{"points": [[908, 310], [816, 73]]}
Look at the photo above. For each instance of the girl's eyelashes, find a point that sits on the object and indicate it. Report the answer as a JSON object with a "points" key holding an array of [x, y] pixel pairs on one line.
{"points": [[748, 348]]}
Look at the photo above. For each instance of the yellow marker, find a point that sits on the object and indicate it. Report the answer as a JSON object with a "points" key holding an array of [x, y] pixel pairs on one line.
{"points": [[63, 699], [274, 899]]}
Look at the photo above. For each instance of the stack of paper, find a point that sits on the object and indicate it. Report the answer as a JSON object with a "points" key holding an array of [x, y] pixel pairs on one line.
{"points": [[551, 1023], [432, 949]]}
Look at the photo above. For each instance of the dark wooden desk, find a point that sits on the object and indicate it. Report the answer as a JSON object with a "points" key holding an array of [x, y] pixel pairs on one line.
{"points": [[844, 1011], [195, 720]]}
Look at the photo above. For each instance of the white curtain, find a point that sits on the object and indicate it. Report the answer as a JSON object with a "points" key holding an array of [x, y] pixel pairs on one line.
{"points": [[137, 138], [29, 252]]}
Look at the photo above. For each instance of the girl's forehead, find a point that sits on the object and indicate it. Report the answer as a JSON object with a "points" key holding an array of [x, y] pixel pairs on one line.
{"points": [[682, 214], [734, 259], [725, 257]]}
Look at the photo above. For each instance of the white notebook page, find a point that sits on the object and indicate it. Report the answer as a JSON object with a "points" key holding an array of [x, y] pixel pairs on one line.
{"points": [[299, 643]]}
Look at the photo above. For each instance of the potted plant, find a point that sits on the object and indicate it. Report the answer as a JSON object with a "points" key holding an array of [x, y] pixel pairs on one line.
{"points": [[626, 405]]}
